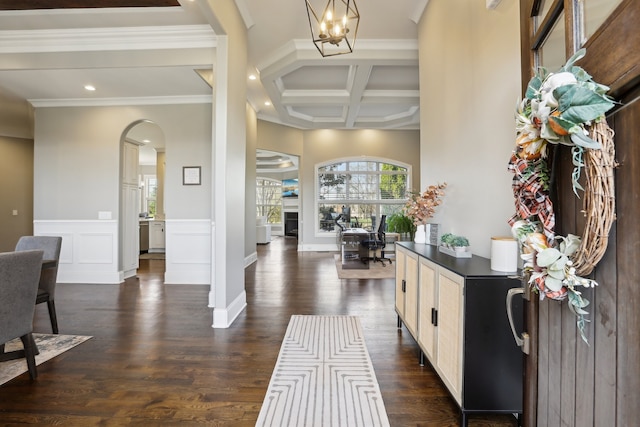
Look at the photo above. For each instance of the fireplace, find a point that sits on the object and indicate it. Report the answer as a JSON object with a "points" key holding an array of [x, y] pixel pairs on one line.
{"points": [[291, 224]]}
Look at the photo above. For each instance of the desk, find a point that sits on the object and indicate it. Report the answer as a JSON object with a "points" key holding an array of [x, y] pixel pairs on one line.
{"points": [[354, 254]]}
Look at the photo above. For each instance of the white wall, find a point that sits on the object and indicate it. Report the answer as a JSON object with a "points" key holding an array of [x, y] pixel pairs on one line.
{"points": [[77, 173], [469, 86]]}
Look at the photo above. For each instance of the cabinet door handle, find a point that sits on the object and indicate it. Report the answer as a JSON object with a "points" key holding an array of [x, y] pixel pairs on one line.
{"points": [[404, 285], [434, 317], [523, 341]]}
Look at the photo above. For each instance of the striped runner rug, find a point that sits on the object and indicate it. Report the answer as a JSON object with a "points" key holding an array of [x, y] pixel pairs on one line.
{"points": [[323, 377]]}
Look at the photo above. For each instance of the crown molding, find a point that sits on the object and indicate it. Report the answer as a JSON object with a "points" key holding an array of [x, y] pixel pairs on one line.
{"points": [[112, 102], [102, 39]]}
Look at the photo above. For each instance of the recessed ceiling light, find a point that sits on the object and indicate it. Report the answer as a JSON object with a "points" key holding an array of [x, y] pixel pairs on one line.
{"points": [[252, 77], [90, 87], [267, 103]]}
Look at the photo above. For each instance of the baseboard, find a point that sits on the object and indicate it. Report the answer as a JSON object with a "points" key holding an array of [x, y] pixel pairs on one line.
{"points": [[224, 317]]}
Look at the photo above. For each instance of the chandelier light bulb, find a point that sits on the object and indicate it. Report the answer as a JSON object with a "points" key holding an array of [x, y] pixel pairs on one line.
{"points": [[329, 16]]}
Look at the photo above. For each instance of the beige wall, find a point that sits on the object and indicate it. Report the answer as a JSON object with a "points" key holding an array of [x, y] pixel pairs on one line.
{"points": [[16, 191], [16, 119], [469, 86]]}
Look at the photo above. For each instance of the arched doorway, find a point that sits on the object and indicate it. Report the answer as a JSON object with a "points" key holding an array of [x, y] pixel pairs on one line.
{"points": [[142, 139]]}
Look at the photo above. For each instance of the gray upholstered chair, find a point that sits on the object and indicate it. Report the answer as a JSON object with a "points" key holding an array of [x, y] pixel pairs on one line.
{"points": [[51, 246], [19, 276]]}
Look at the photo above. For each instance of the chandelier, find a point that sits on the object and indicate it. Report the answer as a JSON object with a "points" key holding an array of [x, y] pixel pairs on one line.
{"points": [[331, 31]]}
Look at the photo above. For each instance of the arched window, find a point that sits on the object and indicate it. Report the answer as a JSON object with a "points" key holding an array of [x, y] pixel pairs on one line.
{"points": [[269, 200], [355, 192]]}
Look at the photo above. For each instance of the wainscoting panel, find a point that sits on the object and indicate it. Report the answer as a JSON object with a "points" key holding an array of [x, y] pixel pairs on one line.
{"points": [[188, 252], [89, 249]]}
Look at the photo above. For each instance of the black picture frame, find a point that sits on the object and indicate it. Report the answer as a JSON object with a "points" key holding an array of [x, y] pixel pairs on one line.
{"points": [[191, 175]]}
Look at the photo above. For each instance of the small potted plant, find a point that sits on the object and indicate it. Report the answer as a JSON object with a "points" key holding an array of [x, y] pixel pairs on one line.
{"points": [[460, 243], [457, 246], [447, 240]]}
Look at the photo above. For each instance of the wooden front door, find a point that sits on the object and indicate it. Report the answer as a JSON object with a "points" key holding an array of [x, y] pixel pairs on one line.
{"points": [[569, 382]]}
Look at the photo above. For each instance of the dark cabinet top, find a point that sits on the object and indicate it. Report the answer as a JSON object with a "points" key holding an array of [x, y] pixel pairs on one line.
{"points": [[473, 267]]}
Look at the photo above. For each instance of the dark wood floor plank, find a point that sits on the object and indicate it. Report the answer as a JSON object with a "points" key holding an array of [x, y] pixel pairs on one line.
{"points": [[155, 360]]}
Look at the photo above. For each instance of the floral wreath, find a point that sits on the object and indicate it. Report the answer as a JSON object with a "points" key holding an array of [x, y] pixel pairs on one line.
{"points": [[566, 107]]}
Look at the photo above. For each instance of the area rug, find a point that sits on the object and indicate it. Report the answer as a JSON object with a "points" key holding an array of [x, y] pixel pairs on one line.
{"points": [[323, 377], [49, 346], [375, 271]]}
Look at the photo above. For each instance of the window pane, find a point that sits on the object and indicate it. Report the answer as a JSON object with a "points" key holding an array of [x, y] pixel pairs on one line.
{"points": [[552, 54], [363, 187], [332, 186], [369, 189], [362, 166], [269, 200], [595, 13], [393, 186], [546, 6]]}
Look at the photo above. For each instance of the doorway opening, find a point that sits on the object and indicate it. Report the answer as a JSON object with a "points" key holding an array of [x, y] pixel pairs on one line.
{"points": [[141, 222], [277, 192]]}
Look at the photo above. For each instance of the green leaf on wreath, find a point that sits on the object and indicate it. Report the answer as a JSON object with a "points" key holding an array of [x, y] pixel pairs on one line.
{"points": [[582, 140], [552, 284], [580, 105], [548, 256], [576, 57], [534, 87]]}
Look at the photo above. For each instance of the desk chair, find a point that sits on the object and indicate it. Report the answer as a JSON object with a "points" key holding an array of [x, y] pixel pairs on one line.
{"points": [[51, 246], [19, 274], [377, 241]]}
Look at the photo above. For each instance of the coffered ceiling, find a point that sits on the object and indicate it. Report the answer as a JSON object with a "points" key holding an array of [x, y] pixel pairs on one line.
{"points": [[142, 52]]}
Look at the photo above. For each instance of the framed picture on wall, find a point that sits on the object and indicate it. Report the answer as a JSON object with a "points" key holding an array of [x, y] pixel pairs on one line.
{"points": [[191, 175], [290, 188]]}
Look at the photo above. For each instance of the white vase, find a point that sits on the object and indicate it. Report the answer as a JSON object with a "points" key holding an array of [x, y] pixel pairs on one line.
{"points": [[421, 234]]}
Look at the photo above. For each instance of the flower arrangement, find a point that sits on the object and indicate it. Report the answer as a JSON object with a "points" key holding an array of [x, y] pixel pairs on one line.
{"points": [[421, 206], [558, 109]]}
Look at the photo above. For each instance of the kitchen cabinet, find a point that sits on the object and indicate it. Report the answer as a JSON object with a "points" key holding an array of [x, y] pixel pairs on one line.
{"points": [[156, 236], [462, 327]]}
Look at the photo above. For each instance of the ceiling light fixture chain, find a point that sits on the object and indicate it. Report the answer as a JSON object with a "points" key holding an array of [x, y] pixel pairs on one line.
{"points": [[336, 24]]}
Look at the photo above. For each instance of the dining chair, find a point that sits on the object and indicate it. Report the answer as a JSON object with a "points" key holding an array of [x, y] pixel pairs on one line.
{"points": [[51, 246], [19, 276]]}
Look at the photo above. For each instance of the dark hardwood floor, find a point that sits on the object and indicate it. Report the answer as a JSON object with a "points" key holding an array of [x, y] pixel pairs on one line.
{"points": [[155, 360]]}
